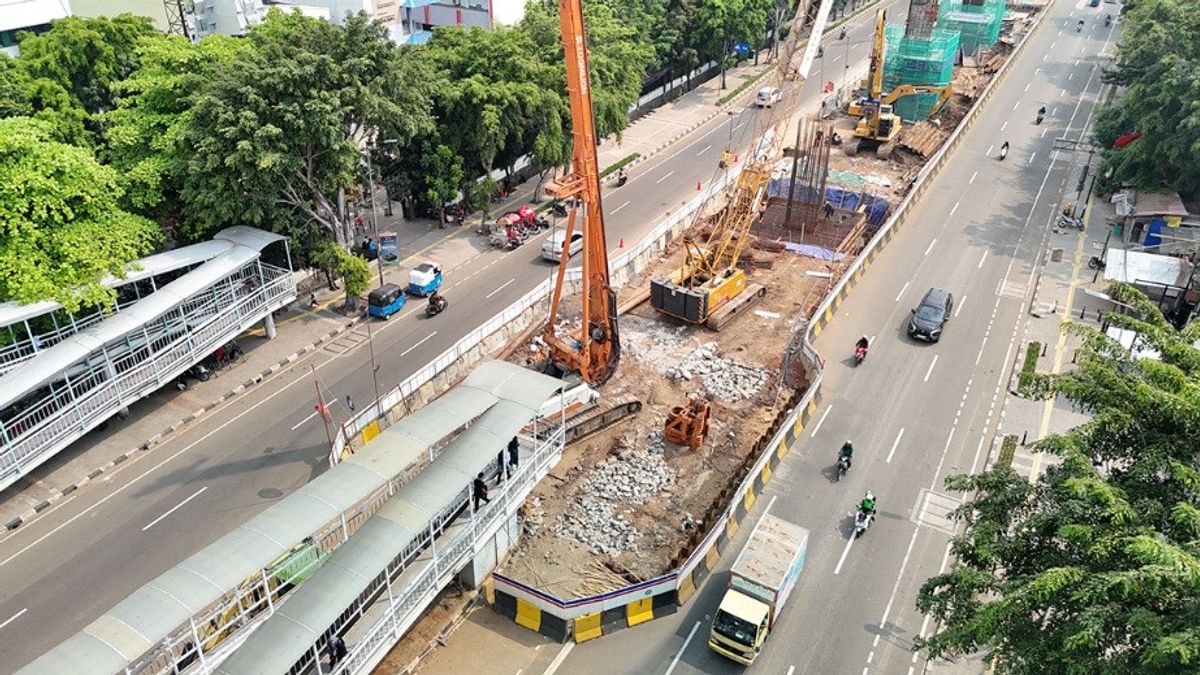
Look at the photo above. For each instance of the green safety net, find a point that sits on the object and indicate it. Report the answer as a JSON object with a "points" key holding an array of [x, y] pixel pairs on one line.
{"points": [[918, 61], [978, 21]]}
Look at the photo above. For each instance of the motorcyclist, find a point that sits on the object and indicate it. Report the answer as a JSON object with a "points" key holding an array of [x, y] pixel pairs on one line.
{"points": [[1079, 26], [622, 176], [437, 300], [1041, 114], [842, 35], [867, 505], [846, 452], [863, 343], [1003, 149], [1107, 20]]}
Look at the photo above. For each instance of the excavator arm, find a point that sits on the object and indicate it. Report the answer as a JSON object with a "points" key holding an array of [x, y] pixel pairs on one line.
{"points": [[595, 350], [903, 90]]}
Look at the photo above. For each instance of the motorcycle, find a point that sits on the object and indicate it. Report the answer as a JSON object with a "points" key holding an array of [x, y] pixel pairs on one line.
{"points": [[622, 179], [1070, 222], [843, 467], [1107, 20], [1079, 27], [559, 209], [862, 521], [1040, 117], [1003, 151], [199, 372], [860, 353], [437, 304], [1097, 263]]}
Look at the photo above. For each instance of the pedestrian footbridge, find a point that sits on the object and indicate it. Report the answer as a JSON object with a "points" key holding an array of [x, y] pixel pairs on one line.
{"points": [[367, 544], [63, 375]]}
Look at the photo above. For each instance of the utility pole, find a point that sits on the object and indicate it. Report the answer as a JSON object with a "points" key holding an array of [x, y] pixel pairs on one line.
{"points": [[374, 206], [322, 409]]}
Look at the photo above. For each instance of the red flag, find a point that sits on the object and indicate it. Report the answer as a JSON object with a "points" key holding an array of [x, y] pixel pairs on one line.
{"points": [[1126, 140]]}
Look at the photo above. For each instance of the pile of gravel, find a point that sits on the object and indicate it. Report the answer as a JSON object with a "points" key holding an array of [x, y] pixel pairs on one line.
{"points": [[724, 378], [634, 476]]}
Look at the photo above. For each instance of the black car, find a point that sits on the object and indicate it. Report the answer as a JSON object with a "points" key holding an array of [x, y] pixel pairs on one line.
{"points": [[931, 315]]}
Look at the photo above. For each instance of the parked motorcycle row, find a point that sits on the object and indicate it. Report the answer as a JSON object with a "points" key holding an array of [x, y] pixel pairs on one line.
{"points": [[515, 227], [225, 355]]}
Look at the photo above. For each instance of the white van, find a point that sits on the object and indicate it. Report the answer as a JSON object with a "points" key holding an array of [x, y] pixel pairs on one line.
{"points": [[552, 247]]}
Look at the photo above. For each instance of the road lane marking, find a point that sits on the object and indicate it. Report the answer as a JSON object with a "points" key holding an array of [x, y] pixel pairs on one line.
{"points": [[981, 346], [1028, 85], [973, 178], [665, 176], [955, 208], [821, 421], [559, 658], [423, 341], [982, 258], [14, 617], [1005, 125], [791, 669], [931, 365], [961, 301], [989, 150], [1044, 132], [895, 444], [706, 148], [1070, 76], [502, 287], [675, 661], [1031, 158], [614, 211], [930, 247], [312, 414], [845, 552], [156, 467], [1015, 105], [739, 126], [901, 293], [178, 506]]}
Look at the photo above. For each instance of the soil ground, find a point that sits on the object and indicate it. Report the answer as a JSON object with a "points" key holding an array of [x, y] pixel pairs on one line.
{"points": [[652, 345]]}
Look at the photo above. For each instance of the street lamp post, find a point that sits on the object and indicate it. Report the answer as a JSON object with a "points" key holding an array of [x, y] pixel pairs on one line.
{"points": [[374, 206], [728, 148]]}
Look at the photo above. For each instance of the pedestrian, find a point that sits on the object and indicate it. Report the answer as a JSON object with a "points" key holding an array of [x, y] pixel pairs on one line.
{"points": [[337, 650], [500, 468], [828, 210], [514, 453], [349, 403], [479, 490]]}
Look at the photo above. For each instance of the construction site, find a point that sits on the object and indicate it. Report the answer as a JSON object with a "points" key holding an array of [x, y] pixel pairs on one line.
{"points": [[687, 389]]}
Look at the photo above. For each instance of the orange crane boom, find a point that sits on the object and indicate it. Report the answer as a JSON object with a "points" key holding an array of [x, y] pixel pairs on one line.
{"points": [[595, 350]]}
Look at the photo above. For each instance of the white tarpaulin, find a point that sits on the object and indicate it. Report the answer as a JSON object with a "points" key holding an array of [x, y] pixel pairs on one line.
{"points": [[1138, 267]]}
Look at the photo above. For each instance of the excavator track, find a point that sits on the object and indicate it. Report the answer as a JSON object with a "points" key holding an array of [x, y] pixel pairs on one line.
{"points": [[587, 423]]}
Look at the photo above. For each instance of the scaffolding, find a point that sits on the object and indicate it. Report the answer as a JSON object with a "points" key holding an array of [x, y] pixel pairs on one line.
{"points": [[928, 61], [978, 21]]}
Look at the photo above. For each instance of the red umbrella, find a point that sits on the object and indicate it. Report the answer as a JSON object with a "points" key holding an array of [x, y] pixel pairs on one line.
{"points": [[1126, 140]]}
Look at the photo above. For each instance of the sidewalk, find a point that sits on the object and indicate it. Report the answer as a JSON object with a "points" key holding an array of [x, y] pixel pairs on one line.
{"points": [[1060, 297], [154, 419]]}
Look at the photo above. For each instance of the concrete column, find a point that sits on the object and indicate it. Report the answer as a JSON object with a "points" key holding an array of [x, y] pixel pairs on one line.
{"points": [[269, 326], [489, 553]]}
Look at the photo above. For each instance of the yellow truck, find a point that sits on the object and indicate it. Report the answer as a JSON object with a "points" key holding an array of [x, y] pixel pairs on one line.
{"points": [[760, 582]]}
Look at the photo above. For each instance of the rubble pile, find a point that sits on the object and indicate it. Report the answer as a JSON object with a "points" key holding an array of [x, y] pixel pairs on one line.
{"points": [[633, 476], [724, 378]]}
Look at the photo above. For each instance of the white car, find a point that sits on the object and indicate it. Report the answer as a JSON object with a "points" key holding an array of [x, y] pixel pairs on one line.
{"points": [[768, 96], [553, 246]]}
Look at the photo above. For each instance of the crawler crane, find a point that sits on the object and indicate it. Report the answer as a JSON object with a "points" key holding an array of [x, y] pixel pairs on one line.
{"points": [[710, 287]]}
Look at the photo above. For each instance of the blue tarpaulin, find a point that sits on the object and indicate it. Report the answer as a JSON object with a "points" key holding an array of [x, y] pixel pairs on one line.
{"points": [[1154, 232], [814, 252], [876, 207]]}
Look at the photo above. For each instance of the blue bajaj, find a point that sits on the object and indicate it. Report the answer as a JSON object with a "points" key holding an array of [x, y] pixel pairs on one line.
{"points": [[385, 301], [424, 279]]}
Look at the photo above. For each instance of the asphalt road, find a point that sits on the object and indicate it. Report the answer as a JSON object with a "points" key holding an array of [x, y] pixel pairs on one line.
{"points": [[916, 412], [70, 565]]}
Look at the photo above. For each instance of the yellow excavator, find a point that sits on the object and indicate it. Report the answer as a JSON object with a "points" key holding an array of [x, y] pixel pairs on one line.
{"points": [[879, 126], [944, 93], [710, 288]]}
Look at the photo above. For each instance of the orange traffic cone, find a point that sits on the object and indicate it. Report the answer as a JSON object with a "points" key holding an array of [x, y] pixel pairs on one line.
{"points": [[735, 159], [697, 186], [621, 243]]}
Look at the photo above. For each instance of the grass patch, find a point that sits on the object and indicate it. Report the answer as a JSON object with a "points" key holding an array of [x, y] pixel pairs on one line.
{"points": [[624, 161], [1008, 447], [746, 84], [1030, 383]]}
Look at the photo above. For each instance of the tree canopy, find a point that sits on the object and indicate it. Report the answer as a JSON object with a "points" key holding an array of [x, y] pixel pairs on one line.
{"points": [[1158, 64], [1095, 568], [61, 228]]}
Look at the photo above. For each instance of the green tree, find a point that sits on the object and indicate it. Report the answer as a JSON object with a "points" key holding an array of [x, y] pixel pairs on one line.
{"points": [[61, 228], [722, 22], [1095, 568], [443, 178], [494, 94], [74, 65], [335, 261], [274, 138], [1158, 65], [144, 135]]}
